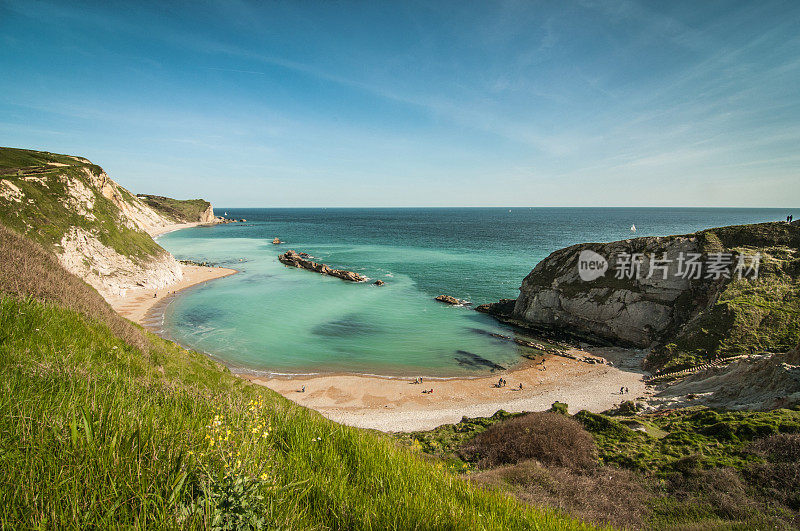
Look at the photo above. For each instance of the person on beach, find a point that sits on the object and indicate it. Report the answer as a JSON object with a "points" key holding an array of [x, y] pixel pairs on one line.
{"points": [[303, 389], [622, 390], [520, 386], [626, 391]]}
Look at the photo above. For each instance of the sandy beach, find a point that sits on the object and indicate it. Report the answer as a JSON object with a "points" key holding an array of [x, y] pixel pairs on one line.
{"points": [[397, 404], [145, 306], [158, 231]]}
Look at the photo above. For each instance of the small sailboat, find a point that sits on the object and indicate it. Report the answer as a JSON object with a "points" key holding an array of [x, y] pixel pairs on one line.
{"points": [[633, 228]]}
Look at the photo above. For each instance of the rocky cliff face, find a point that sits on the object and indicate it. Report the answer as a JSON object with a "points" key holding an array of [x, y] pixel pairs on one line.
{"points": [[647, 292], [112, 273], [629, 311], [97, 228], [207, 216], [135, 213]]}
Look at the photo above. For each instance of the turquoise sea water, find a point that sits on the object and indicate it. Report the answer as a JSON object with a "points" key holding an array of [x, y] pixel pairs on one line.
{"points": [[270, 318]]}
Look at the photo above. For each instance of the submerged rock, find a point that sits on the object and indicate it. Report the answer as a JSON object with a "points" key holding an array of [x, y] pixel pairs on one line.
{"points": [[379, 282], [472, 360], [300, 260]]}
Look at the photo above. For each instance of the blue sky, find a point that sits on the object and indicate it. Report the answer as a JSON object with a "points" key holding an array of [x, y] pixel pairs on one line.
{"points": [[585, 103]]}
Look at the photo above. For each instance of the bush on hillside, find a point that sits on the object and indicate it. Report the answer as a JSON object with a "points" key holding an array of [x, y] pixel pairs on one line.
{"points": [[779, 477], [603, 495], [783, 448], [550, 438], [717, 492]]}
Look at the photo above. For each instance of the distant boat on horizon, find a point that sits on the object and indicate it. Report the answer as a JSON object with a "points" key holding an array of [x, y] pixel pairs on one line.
{"points": [[633, 228]]}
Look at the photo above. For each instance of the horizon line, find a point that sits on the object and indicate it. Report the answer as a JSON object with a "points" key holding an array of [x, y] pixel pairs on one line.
{"points": [[504, 207]]}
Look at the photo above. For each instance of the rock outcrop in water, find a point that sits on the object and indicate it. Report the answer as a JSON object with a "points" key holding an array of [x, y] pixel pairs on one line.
{"points": [[302, 261], [648, 292], [501, 308], [447, 299]]}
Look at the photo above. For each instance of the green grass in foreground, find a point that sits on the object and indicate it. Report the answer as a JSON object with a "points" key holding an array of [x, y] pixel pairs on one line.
{"points": [[95, 433]]}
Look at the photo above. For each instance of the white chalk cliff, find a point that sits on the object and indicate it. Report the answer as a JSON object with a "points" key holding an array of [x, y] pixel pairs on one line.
{"points": [[98, 229]]}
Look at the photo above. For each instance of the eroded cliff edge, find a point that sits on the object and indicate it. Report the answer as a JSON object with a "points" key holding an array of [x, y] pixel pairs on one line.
{"points": [[684, 319]]}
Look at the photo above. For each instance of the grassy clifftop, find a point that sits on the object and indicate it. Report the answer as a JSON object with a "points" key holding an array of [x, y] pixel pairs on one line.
{"points": [[179, 210], [103, 425], [44, 195], [14, 159]]}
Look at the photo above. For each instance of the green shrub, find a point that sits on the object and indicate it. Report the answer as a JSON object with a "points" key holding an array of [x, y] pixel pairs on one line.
{"points": [[550, 438]]}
